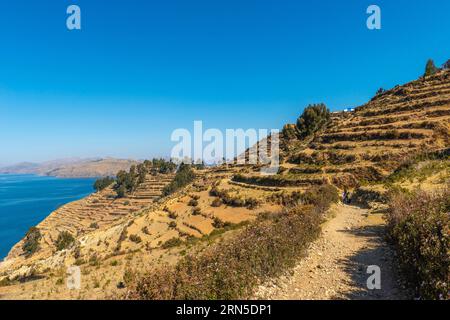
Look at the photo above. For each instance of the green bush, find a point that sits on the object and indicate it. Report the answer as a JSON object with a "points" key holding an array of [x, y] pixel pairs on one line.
{"points": [[183, 177], [64, 240], [418, 225], [103, 183], [31, 243], [313, 119], [173, 242]]}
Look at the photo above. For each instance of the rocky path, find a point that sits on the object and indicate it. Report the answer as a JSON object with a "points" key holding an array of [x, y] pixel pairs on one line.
{"points": [[336, 264]]}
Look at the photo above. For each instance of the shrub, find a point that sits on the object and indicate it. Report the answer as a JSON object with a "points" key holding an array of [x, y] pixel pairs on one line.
{"points": [[196, 211], [218, 223], [103, 183], [79, 262], [184, 176], [94, 260], [225, 197], [64, 240], [321, 196], [93, 225], [418, 225], [252, 203], [135, 238], [314, 118], [114, 263], [172, 215], [145, 230], [193, 203], [31, 243], [173, 242], [216, 203], [172, 224]]}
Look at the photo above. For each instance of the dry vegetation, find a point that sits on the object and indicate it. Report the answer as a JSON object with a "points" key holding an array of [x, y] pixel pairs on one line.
{"points": [[419, 226]]}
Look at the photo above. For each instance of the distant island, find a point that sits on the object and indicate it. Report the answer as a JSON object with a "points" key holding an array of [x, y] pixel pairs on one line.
{"points": [[72, 168]]}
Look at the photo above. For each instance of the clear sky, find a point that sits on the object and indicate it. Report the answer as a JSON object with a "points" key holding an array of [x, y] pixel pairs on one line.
{"points": [[140, 69]]}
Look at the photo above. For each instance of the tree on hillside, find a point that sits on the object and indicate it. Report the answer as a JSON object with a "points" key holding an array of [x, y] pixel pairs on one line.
{"points": [[290, 131], [184, 176], [142, 173], [314, 118], [103, 183], [430, 68], [380, 91], [446, 65], [31, 242]]}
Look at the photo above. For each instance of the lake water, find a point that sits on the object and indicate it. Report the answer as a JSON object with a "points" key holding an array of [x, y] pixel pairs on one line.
{"points": [[25, 200]]}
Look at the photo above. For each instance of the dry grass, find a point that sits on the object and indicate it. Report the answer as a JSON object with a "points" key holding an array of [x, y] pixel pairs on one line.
{"points": [[419, 226]]}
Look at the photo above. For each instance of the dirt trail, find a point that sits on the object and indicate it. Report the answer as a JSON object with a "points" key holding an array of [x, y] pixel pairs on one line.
{"points": [[336, 264]]}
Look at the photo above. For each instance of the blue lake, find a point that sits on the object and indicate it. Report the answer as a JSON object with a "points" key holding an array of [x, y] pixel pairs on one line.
{"points": [[25, 200]]}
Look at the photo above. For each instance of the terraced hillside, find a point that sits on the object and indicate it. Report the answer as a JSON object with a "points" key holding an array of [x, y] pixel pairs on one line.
{"points": [[144, 231], [99, 211], [371, 142]]}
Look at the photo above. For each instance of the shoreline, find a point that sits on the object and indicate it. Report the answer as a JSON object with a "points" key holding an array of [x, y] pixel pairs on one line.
{"points": [[23, 212]]}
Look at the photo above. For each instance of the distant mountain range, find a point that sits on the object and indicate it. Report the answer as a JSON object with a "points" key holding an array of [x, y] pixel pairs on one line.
{"points": [[72, 167]]}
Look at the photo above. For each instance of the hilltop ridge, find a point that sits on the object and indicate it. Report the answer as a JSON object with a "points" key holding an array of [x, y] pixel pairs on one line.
{"points": [[72, 168]]}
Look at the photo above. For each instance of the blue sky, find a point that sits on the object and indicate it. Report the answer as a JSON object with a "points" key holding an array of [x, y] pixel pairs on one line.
{"points": [[140, 69]]}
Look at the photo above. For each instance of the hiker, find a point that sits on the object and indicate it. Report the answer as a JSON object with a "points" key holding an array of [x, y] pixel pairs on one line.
{"points": [[344, 196]]}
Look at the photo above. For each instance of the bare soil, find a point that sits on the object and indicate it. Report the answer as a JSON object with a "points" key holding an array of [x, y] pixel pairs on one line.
{"points": [[336, 264]]}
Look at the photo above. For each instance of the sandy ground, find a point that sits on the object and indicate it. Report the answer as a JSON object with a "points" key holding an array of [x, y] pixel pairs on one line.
{"points": [[336, 264]]}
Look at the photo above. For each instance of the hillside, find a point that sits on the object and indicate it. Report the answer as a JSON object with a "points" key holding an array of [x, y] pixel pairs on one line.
{"points": [[399, 137], [368, 144], [71, 168]]}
